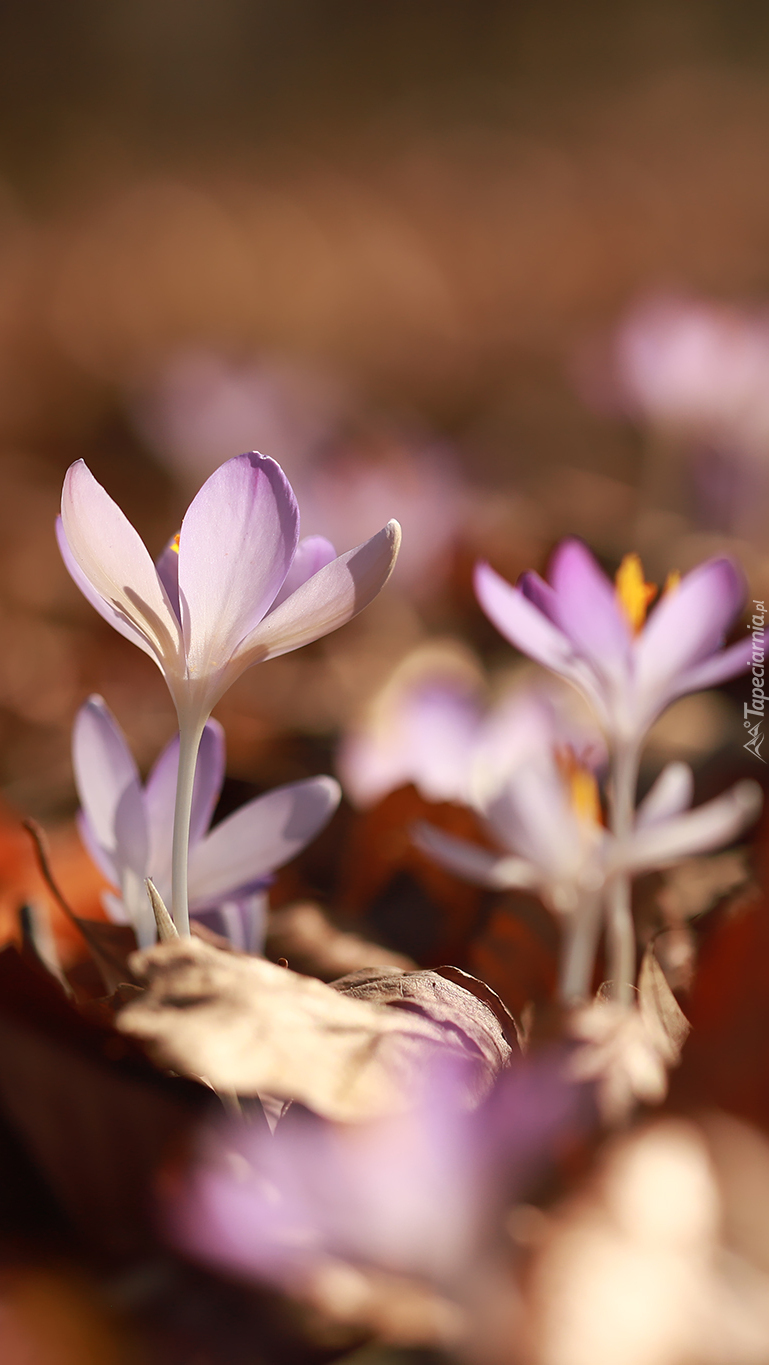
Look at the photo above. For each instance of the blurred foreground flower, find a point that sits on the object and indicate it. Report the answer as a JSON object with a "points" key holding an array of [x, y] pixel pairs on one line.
{"points": [[661, 1258], [128, 829], [402, 1212], [234, 588]]}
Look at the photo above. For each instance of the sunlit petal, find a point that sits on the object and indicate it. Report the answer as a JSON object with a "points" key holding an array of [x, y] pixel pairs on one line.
{"points": [[324, 602], [236, 543], [262, 835], [108, 786], [113, 558], [312, 554]]}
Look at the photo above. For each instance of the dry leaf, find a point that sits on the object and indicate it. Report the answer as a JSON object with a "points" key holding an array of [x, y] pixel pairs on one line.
{"points": [[252, 1027], [627, 1050], [665, 1021]]}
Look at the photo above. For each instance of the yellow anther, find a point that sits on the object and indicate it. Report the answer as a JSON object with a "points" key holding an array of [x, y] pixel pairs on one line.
{"points": [[583, 789], [175, 544], [634, 594], [671, 582]]}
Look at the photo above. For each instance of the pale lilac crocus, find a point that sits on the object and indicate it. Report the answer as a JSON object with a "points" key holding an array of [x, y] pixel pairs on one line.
{"points": [[547, 819], [594, 633], [127, 828], [413, 1195], [235, 588], [430, 726]]}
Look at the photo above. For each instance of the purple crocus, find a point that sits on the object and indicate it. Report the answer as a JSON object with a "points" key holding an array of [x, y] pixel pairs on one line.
{"points": [[583, 628], [413, 1194], [127, 828], [428, 726], [547, 818], [234, 588], [594, 633]]}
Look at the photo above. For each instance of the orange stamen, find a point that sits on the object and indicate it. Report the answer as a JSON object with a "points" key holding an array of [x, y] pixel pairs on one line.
{"points": [[634, 594]]}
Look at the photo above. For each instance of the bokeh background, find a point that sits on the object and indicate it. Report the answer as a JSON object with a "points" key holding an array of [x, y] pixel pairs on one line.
{"points": [[497, 269]]}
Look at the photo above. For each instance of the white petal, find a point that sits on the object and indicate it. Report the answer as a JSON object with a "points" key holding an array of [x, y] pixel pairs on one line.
{"points": [[471, 861], [324, 602], [113, 558], [671, 793], [709, 826]]}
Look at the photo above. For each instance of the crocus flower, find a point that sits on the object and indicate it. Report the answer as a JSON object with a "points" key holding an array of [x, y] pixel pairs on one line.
{"points": [[410, 1195], [595, 634], [548, 820], [236, 587], [428, 726], [128, 828]]}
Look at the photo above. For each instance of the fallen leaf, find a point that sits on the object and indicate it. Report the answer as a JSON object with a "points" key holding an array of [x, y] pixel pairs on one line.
{"points": [[627, 1050], [251, 1027]]}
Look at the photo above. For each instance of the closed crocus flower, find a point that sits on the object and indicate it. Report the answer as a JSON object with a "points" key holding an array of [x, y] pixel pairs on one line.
{"points": [[127, 828], [234, 588]]}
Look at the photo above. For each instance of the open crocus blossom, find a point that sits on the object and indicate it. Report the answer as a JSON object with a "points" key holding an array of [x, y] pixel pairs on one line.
{"points": [[595, 634], [548, 818], [127, 828], [234, 588]]}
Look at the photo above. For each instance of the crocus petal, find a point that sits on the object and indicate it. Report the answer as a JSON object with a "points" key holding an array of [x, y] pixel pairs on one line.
{"points": [[236, 543], [533, 817], [537, 591], [108, 786], [99, 855], [688, 624], [262, 835], [168, 572], [588, 611], [326, 601], [727, 663], [312, 554], [671, 793], [115, 561], [471, 861], [521, 622], [709, 826], [105, 609], [160, 798], [242, 921]]}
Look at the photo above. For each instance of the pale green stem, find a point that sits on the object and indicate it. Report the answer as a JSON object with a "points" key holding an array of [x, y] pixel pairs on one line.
{"points": [[189, 743], [620, 929], [580, 940]]}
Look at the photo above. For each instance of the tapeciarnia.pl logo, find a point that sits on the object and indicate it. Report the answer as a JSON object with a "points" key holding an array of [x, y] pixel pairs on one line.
{"points": [[755, 708]]}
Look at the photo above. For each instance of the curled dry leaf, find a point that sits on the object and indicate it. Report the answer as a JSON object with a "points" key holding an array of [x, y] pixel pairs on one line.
{"points": [[253, 1028], [456, 1003], [314, 946], [628, 1050]]}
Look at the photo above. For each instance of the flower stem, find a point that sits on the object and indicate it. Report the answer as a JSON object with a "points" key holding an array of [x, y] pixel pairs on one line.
{"points": [[620, 931], [580, 942], [189, 743]]}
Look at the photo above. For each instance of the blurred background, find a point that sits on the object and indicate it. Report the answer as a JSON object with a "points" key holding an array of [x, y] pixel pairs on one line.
{"points": [[498, 269]]}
